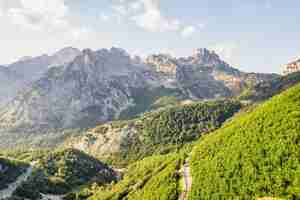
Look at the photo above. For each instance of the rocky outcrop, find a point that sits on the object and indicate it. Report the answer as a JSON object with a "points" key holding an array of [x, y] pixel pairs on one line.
{"points": [[292, 67], [106, 140], [163, 64]]}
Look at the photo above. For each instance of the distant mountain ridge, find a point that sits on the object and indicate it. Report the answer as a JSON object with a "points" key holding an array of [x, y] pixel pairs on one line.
{"points": [[265, 90], [98, 86], [32, 68], [209, 66], [19, 75]]}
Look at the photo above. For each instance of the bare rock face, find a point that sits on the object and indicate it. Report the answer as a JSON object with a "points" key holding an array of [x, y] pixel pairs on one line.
{"points": [[163, 64], [106, 140], [10, 83], [94, 87], [32, 68], [204, 75], [97, 86], [292, 67], [19, 75], [204, 57], [63, 57]]}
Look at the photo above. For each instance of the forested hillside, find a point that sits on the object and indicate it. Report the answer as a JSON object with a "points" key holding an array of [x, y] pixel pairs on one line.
{"points": [[60, 172], [156, 132], [10, 170], [255, 155], [155, 177]]}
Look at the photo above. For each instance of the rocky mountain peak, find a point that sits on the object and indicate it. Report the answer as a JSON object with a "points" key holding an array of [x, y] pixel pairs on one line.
{"points": [[64, 56], [163, 63], [292, 67], [88, 57], [103, 62], [25, 58], [205, 57], [202, 52], [87, 51], [67, 50], [119, 51]]}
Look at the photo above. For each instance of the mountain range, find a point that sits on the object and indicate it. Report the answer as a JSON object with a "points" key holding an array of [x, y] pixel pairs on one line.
{"points": [[102, 125], [79, 89]]}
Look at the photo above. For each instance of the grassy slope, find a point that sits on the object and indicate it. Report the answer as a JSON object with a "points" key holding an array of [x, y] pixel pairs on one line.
{"points": [[255, 155], [155, 177]]}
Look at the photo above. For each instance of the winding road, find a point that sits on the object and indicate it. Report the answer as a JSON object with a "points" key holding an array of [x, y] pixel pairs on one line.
{"points": [[6, 193], [187, 181]]}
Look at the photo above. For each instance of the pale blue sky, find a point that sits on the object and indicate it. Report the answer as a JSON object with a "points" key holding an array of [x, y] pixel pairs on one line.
{"points": [[253, 35]]}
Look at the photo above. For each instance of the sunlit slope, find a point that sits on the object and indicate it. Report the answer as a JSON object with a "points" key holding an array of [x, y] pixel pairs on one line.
{"points": [[256, 155], [155, 177]]}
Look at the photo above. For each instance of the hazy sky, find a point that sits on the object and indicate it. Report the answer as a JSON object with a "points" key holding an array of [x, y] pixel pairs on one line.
{"points": [[253, 35]]}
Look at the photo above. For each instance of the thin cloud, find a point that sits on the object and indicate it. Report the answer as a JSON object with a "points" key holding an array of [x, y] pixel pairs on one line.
{"points": [[188, 31], [151, 18], [40, 14], [43, 16], [104, 17], [147, 14]]}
